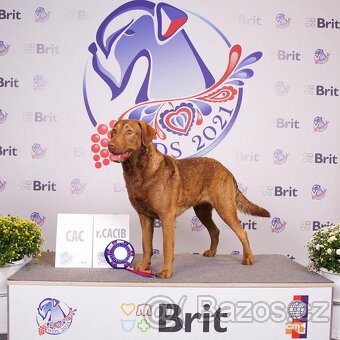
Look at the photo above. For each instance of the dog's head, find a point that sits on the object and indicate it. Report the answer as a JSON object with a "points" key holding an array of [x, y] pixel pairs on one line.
{"points": [[128, 137]]}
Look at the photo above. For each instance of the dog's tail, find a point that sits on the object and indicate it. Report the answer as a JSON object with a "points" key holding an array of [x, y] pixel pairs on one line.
{"points": [[247, 207]]}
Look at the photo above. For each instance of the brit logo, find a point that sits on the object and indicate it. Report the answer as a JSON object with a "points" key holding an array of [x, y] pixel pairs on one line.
{"points": [[42, 14], [318, 192], [40, 220], [135, 316], [298, 317], [194, 110], [320, 56], [4, 47], [54, 317], [282, 21], [278, 225], [280, 157], [38, 151], [3, 116], [77, 187], [2, 184], [310, 22], [320, 124], [280, 88], [196, 224]]}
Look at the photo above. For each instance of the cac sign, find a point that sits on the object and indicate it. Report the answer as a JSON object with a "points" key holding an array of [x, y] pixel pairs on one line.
{"points": [[82, 238]]}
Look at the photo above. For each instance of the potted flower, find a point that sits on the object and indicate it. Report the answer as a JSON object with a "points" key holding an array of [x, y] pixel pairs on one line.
{"points": [[20, 240], [324, 252], [324, 257]]}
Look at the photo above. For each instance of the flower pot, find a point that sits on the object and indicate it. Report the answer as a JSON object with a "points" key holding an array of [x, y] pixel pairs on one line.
{"points": [[336, 303], [336, 279], [5, 273]]}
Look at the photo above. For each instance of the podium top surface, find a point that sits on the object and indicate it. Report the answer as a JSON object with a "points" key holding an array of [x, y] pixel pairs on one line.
{"points": [[189, 270]]}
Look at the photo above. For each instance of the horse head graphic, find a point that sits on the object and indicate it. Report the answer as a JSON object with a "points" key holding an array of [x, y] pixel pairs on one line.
{"points": [[50, 310], [158, 35], [173, 69]]}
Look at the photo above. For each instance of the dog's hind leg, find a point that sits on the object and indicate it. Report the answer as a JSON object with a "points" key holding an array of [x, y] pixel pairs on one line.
{"points": [[228, 213], [204, 213]]}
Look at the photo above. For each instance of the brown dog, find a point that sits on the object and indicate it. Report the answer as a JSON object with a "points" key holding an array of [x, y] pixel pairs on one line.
{"points": [[162, 187]]}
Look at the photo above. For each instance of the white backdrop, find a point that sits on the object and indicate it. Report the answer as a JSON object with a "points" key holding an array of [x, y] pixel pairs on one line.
{"points": [[282, 148]]}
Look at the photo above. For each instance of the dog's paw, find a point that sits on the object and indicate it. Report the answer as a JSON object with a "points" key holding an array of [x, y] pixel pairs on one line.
{"points": [[164, 274], [142, 266], [248, 259], [209, 253]]}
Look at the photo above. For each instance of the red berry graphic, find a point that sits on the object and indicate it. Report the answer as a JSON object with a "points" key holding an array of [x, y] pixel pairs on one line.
{"points": [[104, 142], [104, 153], [95, 138], [102, 129], [95, 148]]}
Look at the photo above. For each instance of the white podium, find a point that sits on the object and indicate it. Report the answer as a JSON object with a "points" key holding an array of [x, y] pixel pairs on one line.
{"points": [[214, 298]]}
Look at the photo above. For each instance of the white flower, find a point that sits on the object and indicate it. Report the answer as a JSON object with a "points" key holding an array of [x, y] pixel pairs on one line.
{"points": [[329, 251], [317, 247], [331, 239], [338, 252]]}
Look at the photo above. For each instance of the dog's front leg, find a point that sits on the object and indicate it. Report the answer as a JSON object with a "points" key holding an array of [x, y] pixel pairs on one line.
{"points": [[147, 235], [168, 228]]}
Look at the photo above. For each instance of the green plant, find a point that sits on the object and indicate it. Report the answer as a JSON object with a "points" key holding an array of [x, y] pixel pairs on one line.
{"points": [[324, 249], [18, 237]]}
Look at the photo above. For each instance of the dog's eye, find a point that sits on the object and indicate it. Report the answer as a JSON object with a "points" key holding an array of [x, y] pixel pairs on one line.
{"points": [[130, 32]]}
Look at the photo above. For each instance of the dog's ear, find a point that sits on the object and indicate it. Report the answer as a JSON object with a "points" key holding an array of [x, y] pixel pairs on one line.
{"points": [[169, 20], [148, 132]]}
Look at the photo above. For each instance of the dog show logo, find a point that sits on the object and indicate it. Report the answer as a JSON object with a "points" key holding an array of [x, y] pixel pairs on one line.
{"points": [[298, 317], [2, 184], [196, 224], [280, 157], [35, 217], [320, 56], [278, 225], [77, 187], [282, 21], [3, 116], [4, 47], [153, 54], [281, 88], [38, 151], [318, 192], [54, 317], [39, 83], [41, 14], [243, 188], [320, 124]]}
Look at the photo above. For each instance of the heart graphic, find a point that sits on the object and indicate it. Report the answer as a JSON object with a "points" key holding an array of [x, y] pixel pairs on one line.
{"points": [[179, 120], [127, 308]]}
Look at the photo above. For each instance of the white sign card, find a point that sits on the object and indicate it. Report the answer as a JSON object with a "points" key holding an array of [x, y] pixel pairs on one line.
{"points": [[107, 228], [82, 238], [74, 241]]}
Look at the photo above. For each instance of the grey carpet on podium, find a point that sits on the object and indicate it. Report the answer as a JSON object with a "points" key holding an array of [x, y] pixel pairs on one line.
{"points": [[188, 269]]}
